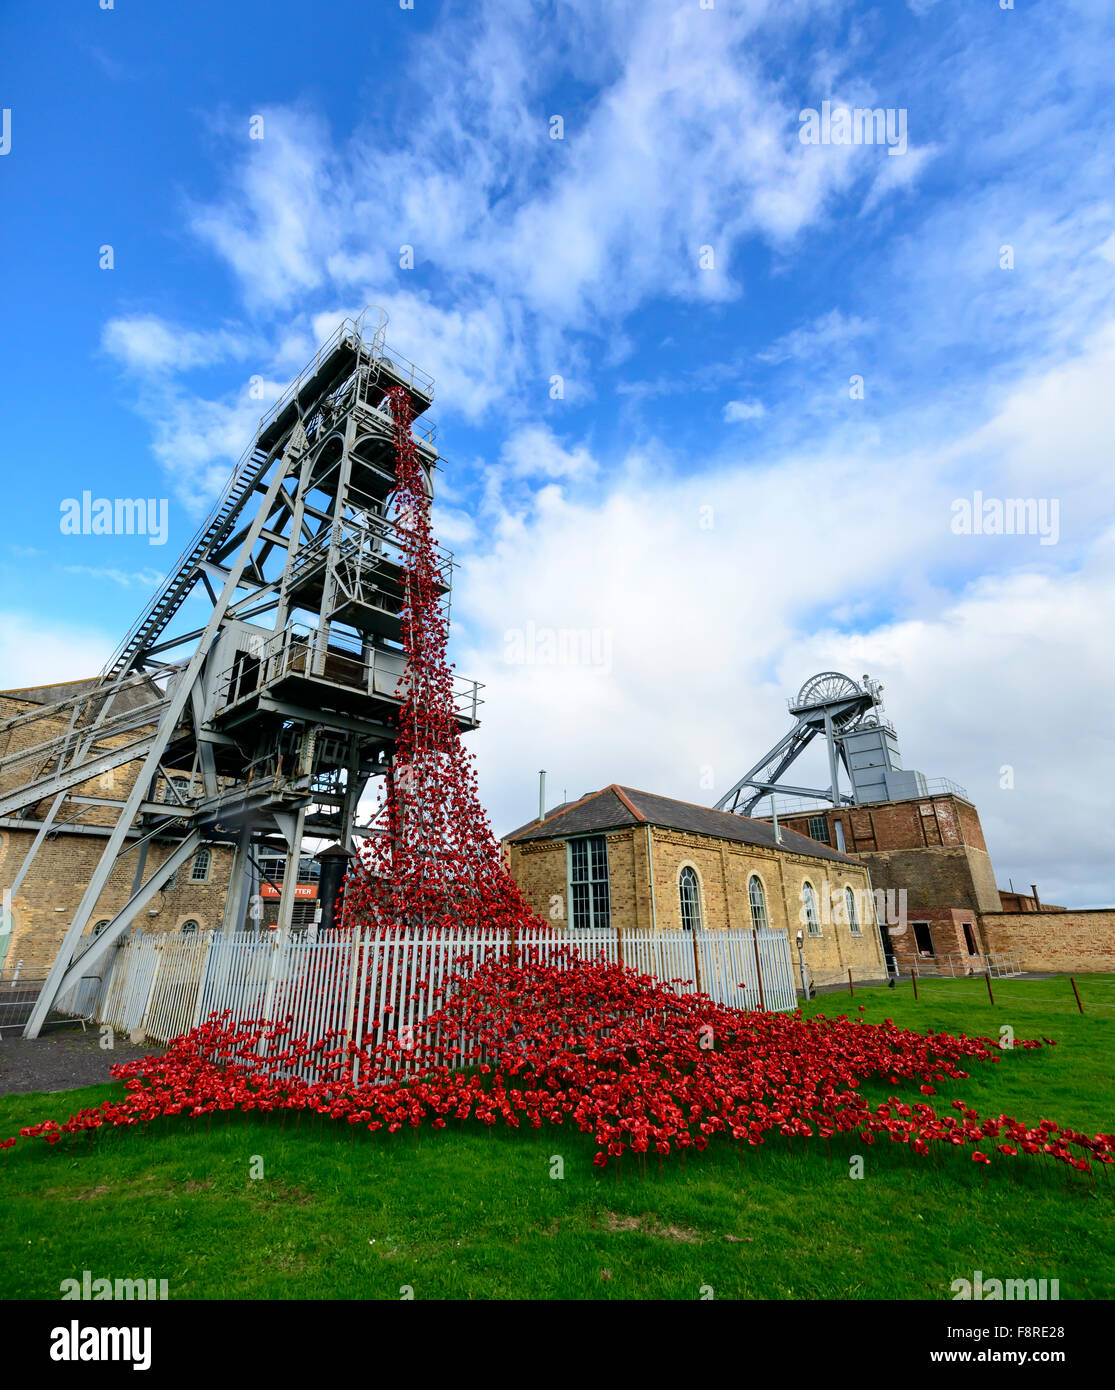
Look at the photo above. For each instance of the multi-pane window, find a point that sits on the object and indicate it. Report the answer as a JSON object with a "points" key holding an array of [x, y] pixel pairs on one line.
{"points": [[690, 899], [179, 785], [850, 908], [819, 829], [809, 907], [199, 872], [758, 903], [588, 881], [189, 927]]}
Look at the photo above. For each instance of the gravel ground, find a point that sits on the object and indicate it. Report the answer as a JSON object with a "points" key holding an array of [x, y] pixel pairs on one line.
{"points": [[59, 1061]]}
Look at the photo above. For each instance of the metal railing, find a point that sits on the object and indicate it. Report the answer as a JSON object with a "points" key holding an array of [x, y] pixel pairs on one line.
{"points": [[806, 805], [297, 650], [938, 786], [798, 805], [369, 385], [999, 965], [19, 993], [363, 547]]}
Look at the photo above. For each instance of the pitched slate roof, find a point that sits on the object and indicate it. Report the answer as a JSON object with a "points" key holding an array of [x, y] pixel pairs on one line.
{"points": [[613, 807]]}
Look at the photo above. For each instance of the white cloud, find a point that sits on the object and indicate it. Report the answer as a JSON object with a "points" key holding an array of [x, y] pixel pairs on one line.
{"points": [[735, 411], [144, 579], [820, 337], [198, 441], [277, 227], [534, 452], [147, 343]]}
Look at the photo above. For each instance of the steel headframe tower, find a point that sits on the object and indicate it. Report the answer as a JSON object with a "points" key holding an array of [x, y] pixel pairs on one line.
{"points": [[857, 736], [257, 693]]}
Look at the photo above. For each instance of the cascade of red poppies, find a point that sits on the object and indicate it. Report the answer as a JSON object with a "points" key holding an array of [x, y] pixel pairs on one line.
{"points": [[611, 1053], [437, 864]]}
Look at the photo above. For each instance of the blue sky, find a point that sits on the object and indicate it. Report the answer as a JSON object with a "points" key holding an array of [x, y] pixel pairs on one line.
{"points": [[711, 495]]}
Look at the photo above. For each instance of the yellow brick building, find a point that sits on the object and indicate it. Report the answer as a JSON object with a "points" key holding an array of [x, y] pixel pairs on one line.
{"points": [[35, 918], [621, 860]]}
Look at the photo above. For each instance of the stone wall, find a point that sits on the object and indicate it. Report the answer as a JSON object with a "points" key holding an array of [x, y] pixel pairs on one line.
{"points": [[1056, 940], [51, 892], [938, 877]]}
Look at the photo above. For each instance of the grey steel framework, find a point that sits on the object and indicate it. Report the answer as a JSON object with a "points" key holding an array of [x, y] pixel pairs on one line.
{"points": [[858, 737], [257, 691]]}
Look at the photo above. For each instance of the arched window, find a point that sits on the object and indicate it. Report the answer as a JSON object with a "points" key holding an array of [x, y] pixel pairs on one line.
{"points": [[690, 899], [199, 873], [850, 908], [809, 909], [100, 926], [758, 903], [189, 927]]}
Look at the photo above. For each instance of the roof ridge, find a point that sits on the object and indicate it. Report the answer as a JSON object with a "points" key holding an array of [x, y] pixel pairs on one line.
{"points": [[697, 805], [615, 787], [736, 817]]}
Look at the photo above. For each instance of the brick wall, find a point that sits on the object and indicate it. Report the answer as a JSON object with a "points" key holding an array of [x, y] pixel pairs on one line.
{"points": [[936, 877], [51, 892], [116, 782], [1054, 940], [931, 846], [947, 936], [1025, 902]]}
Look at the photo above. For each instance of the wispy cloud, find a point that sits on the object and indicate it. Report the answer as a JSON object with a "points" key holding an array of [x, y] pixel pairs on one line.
{"points": [[735, 411], [146, 343], [127, 579]]}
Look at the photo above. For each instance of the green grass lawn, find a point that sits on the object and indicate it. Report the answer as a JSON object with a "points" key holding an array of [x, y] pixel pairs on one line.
{"points": [[467, 1214]]}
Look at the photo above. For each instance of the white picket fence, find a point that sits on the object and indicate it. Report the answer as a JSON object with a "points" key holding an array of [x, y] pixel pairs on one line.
{"points": [[375, 985]]}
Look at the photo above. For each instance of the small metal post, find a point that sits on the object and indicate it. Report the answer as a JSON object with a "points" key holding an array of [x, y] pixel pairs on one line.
{"points": [[801, 965]]}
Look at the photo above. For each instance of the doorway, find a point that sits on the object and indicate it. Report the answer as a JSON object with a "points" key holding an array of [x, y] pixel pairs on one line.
{"points": [[923, 937]]}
